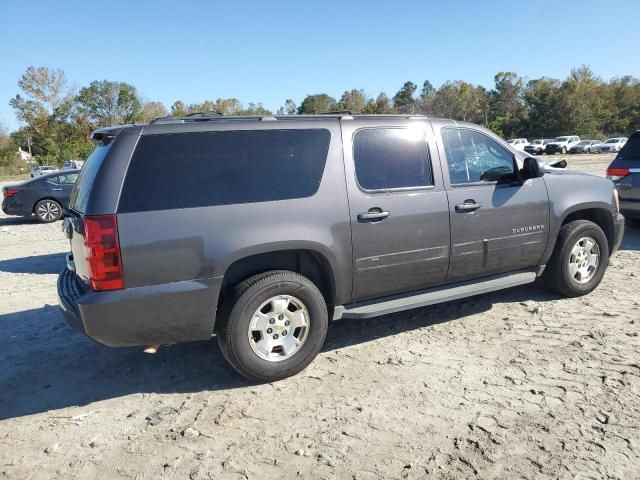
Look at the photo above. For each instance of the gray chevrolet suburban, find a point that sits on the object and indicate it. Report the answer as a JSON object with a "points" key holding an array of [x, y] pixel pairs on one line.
{"points": [[260, 230]]}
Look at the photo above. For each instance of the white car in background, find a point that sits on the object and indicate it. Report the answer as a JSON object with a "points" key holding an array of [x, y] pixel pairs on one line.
{"points": [[612, 145], [42, 170], [518, 143], [562, 144]]}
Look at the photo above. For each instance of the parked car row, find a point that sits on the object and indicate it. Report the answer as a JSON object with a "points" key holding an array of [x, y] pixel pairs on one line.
{"points": [[41, 170], [567, 144]]}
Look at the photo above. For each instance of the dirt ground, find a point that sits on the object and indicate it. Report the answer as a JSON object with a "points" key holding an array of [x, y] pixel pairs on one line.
{"points": [[514, 384]]}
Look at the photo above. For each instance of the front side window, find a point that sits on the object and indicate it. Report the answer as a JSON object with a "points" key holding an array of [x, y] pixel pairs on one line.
{"points": [[388, 158], [473, 157], [200, 169]]}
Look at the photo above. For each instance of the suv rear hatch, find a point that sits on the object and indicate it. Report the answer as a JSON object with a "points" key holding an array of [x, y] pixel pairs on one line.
{"points": [[95, 249]]}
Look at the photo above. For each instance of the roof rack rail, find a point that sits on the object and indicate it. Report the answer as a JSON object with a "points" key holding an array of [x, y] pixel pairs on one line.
{"points": [[339, 112], [210, 116], [210, 113]]}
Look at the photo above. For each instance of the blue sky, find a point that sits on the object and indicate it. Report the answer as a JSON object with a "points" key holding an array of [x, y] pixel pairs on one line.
{"points": [[270, 50]]}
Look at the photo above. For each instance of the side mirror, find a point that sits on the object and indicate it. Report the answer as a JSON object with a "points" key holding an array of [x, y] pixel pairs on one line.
{"points": [[532, 168]]}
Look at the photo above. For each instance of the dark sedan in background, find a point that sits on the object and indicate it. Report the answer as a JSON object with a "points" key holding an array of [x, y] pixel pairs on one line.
{"points": [[625, 173], [44, 197]]}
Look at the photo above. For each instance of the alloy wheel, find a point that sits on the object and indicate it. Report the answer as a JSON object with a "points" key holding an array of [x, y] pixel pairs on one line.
{"points": [[584, 260], [279, 328]]}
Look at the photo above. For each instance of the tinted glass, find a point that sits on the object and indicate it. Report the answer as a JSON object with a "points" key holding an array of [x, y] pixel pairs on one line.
{"points": [[391, 158], [200, 169], [81, 189], [631, 149], [474, 157]]}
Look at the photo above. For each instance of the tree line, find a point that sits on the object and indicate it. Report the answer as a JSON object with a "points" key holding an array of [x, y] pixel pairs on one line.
{"points": [[57, 118]]}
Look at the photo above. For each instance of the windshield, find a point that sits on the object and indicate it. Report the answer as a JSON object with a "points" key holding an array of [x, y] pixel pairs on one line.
{"points": [[561, 139], [612, 140], [82, 187], [512, 141], [584, 142], [536, 142]]}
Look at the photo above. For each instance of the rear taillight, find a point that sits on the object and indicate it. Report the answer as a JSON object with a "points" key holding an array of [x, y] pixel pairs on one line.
{"points": [[617, 173], [102, 248], [11, 192]]}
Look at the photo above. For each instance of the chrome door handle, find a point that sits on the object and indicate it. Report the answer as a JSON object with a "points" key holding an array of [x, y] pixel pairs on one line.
{"points": [[56, 189], [468, 206], [373, 215]]}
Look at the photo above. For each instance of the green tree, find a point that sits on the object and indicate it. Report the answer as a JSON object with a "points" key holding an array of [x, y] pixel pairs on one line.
{"points": [[289, 108], [178, 109], [508, 109], [318, 103], [353, 100], [106, 103], [541, 100], [460, 100], [403, 100], [256, 109], [151, 110]]}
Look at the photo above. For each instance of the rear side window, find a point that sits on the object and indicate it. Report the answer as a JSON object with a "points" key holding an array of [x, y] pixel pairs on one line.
{"points": [[201, 169], [388, 158], [80, 193], [631, 149]]}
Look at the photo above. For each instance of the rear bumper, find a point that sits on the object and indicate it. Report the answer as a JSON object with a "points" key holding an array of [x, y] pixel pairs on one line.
{"points": [[10, 207], [158, 314], [618, 232]]}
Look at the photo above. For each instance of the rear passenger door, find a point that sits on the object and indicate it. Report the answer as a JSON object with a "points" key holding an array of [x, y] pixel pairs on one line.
{"points": [[398, 207], [498, 223]]}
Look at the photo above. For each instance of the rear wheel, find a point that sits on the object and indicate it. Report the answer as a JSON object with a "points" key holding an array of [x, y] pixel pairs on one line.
{"points": [[579, 260], [273, 325], [48, 211]]}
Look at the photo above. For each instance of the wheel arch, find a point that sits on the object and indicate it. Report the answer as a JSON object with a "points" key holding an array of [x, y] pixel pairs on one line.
{"points": [[598, 213], [311, 263]]}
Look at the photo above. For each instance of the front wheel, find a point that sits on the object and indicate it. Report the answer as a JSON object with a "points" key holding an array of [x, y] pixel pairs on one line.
{"points": [[273, 325], [579, 259], [48, 211]]}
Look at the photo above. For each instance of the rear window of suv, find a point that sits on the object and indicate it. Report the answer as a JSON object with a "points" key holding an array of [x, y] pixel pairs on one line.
{"points": [[199, 169], [80, 192], [631, 149]]}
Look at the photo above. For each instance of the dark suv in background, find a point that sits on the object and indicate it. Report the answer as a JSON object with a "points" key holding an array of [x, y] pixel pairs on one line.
{"points": [[625, 173], [269, 227]]}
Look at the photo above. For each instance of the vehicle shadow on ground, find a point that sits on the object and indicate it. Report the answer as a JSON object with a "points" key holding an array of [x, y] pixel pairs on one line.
{"points": [[40, 264], [631, 239], [48, 366], [19, 220]]}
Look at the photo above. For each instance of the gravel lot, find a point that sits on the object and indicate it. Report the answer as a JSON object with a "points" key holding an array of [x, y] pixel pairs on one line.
{"points": [[515, 384]]}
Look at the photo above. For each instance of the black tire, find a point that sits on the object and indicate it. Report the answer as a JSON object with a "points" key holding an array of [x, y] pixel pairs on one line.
{"points": [[557, 276], [236, 314], [48, 211]]}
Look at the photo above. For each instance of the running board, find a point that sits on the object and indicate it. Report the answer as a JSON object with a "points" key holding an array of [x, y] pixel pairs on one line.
{"points": [[446, 293]]}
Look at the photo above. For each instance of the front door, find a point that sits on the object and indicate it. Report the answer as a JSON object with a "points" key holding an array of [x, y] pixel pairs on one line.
{"points": [[498, 224], [398, 207]]}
